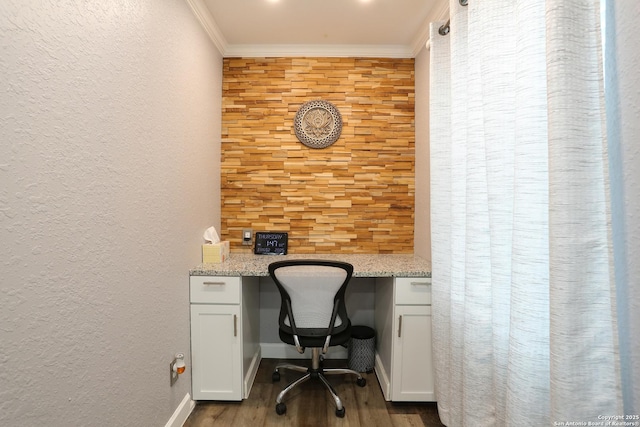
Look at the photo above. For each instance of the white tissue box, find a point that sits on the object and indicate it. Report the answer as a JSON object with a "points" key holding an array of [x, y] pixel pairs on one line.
{"points": [[216, 252]]}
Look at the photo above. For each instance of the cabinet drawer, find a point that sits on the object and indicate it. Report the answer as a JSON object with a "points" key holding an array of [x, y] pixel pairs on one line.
{"points": [[413, 291], [214, 289]]}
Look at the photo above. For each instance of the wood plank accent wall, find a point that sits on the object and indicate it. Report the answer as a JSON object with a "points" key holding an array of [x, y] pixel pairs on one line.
{"points": [[356, 196]]}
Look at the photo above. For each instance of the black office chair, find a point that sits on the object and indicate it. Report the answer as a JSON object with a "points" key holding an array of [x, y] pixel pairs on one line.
{"points": [[313, 314]]}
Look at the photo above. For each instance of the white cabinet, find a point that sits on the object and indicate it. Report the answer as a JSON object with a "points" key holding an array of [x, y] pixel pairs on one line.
{"points": [[225, 345], [215, 352], [412, 367], [404, 363]]}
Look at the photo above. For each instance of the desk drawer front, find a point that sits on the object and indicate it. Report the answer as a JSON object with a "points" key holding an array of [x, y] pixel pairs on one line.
{"points": [[413, 291], [214, 289]]}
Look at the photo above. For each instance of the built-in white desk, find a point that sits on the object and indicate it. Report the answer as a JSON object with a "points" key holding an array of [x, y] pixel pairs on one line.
{"points": [[225, 323]]}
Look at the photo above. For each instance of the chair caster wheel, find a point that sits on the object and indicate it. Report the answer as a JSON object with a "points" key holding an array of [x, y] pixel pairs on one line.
{"points": [[275, 377], [281, 408], [361, 382], [340, 413]]}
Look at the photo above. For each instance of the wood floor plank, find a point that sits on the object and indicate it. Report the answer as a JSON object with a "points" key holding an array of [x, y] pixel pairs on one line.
{"points": [[370, 404], [345, 388], [310, 404], [307, 404], [406, 420], [213, 414], [253, 411]]}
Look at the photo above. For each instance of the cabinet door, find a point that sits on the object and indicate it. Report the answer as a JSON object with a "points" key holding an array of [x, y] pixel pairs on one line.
{"points": [[216, 354], [412, 370]]}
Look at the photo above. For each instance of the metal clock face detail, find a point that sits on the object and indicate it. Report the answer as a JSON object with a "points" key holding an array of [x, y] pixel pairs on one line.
{"points": [[318, 124]]}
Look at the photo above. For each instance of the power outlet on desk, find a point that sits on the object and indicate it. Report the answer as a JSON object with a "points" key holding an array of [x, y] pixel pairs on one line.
{"points": [[247, 236]]}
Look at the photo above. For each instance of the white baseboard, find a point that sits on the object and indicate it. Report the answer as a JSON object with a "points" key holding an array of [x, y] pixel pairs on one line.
{"points": [[251, 372], [182, 412], [383, 378], [286, 351]]}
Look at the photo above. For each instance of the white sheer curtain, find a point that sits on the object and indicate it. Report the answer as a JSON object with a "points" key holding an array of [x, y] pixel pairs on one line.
{"points": [[524, 307]]}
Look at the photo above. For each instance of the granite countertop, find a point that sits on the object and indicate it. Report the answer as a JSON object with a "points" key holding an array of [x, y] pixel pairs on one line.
{"points": [[365, 265]]}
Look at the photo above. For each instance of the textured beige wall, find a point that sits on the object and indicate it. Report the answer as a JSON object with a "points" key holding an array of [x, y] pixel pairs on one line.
{"points": [[109, 174], [422, 239], [356, 196]]}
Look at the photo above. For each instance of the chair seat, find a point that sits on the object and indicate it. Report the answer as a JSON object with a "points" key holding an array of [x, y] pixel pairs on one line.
{"points": [[308, 340]]}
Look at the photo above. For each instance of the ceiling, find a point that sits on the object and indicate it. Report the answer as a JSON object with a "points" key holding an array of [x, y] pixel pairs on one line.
{"points": [[366, 28]]}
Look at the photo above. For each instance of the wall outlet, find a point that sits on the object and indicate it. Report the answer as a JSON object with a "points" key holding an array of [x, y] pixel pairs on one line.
{"points": [[247, 236], [176, 367], [173, 374]]}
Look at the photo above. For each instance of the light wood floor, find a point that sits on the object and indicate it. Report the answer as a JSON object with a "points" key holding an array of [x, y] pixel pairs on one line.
{"points": [[311, 405]]}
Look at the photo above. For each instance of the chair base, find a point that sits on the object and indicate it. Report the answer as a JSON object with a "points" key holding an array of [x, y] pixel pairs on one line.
{"points": [[316, 371]]}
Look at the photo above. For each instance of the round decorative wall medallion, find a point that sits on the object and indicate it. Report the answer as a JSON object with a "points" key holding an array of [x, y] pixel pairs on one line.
{"points": [[318, 124]]}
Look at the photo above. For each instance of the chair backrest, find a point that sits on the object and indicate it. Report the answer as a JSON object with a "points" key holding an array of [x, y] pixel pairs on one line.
{"points": [[315, 291]]}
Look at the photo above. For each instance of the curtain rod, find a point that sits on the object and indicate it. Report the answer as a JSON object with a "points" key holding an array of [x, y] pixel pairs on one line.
{"points": [[444, 30]]}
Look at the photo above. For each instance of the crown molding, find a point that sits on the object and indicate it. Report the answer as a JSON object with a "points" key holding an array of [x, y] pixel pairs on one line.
{"points": [[421, 39], [437, 17], [442, 12], [299, 50], [203, 15], [424, 38]]}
